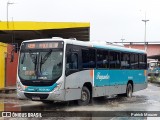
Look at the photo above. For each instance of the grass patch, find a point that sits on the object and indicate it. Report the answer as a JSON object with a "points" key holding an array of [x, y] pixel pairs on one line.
{"points": [[152, 79]]}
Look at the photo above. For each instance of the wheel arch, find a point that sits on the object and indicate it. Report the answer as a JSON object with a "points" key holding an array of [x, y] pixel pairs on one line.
{"points": [[89, 86]]}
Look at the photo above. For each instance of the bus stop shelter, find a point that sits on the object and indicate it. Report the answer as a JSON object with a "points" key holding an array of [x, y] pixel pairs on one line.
{"points": [[17, 31]]}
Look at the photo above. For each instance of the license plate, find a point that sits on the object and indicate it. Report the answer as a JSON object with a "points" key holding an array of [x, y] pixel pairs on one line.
{"points": [[35, 98]]}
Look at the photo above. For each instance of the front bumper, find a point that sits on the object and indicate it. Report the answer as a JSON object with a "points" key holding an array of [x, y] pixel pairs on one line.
{"points": [[52, 96]]}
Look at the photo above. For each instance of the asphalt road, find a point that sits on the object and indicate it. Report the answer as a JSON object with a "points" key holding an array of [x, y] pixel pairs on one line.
{"points": [[144, 100]]}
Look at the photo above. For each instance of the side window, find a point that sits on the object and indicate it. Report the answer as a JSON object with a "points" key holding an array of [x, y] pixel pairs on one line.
{"points": [[72, 61], [142, 61], [134, 61], [114, 60], [88, 58], [145, 60], [102, 59], [132, 58], [125, 61]]}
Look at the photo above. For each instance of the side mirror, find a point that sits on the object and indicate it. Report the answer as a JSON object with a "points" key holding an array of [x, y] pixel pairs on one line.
{"points": [[12, 56]]}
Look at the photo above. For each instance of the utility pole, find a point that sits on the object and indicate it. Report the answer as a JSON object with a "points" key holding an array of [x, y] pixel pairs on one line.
{"points": [[122, 40], [145, 21], [8, 3]]}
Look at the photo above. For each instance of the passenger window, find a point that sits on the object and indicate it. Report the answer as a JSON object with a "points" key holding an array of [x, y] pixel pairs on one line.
{"points": [[88, 58], [114, 60], [125, 61], [142, 61], [134, 61], [72, 61], [102, 59]]}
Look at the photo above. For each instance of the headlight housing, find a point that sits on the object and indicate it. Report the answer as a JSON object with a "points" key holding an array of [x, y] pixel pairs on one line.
{"points": [[20, 87], [57, 87]]}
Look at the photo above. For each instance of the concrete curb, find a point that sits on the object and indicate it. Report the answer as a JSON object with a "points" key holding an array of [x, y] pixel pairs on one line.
{"points": [[156, 82], [8, 96], [8, 90]]}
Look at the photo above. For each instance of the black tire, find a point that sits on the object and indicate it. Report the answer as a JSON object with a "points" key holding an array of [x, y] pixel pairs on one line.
{"points": [[85, 97], [129, 90], [122, 95], [47, 102]]}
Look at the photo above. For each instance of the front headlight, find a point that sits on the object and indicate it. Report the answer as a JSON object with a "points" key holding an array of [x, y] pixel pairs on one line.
{"points": [[19, 87], [57, 87]]}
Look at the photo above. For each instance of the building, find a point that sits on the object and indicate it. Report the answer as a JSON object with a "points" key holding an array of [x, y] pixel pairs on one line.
{"points": [[152, 48]]}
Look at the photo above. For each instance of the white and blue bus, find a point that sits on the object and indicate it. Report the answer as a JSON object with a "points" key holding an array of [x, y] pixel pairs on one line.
{"points": [[64, 69]]}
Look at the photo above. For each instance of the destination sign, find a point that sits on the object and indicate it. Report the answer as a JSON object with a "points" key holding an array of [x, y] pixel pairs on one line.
{"points": [[43, 45]]}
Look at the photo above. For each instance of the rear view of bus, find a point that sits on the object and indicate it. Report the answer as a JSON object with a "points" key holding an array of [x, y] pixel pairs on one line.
{"points": [[40, 70]]}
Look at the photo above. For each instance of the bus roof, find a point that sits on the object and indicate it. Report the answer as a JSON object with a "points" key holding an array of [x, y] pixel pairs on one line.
{"points": [[102, 45]]}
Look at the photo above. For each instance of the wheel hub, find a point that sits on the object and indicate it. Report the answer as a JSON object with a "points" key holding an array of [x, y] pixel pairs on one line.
{"points": [[84, 96], [129, 91]]}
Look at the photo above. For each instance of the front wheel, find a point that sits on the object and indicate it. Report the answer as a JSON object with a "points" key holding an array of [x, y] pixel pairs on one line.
{"points": [[129, 90], [85, 96]]}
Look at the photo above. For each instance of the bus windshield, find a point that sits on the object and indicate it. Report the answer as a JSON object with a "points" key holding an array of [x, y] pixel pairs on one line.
{"points": [[40, 65]]}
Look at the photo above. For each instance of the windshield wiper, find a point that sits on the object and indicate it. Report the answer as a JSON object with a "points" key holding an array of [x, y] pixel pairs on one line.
{"points": [[34, 59], [43, 60], [22, 60]]}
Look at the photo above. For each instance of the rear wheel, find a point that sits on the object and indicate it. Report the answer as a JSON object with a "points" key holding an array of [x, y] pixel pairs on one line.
{"points": [[129, 90], [85, 96]]}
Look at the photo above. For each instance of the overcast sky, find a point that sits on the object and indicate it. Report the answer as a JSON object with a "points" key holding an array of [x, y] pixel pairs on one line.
{"points": [[110, 20]]}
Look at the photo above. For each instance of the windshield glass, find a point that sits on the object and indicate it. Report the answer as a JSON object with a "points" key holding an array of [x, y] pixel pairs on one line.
{"points": [[36, 65]]}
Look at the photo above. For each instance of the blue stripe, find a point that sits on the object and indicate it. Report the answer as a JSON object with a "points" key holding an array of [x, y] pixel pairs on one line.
{"points": [[118, 77], [40, 88]]}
